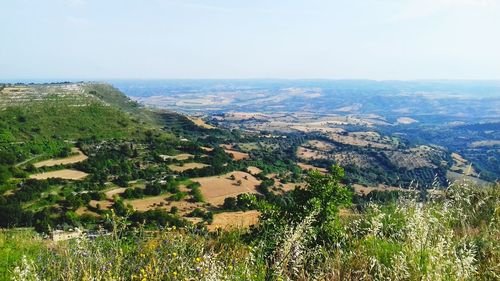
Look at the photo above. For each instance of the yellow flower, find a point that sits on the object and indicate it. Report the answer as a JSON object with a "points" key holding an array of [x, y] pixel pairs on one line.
{"points": [[174, 254], [198, 259], [174, 273], [230, 267]]}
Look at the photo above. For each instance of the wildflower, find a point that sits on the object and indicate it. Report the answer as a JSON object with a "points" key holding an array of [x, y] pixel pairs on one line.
{"points": [[174, 273], [174, 254], [198, 259]]}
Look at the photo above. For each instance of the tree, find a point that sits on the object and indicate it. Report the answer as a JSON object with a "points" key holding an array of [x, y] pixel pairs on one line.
{"points": [[322, 197], [229, 203], [326, 195], [4, 174]]}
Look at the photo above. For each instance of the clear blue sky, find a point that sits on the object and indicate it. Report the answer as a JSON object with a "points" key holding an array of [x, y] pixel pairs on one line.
{"points": [[332, 39]]}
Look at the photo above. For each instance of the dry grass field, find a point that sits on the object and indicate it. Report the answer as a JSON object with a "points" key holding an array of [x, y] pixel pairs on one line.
{"points": [[320, 145], [310, 154], [254, 170], [307, 167], [85, 211], [63, 161], [408, 160], [217, 188], [67, 174], [462, 166], [180, 157], [186, 166], [115, 191], [485, 143], [280, 188], [162, 202], [358, 139], [200, 123], [460, 177], [353, 158], [237, 155], [103, 204], [361, 189], [234, 220], [309, 129]]}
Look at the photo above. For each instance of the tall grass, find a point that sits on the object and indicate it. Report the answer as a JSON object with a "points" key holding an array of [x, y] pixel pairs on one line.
{"points": [[453, 235], [14, 244]]}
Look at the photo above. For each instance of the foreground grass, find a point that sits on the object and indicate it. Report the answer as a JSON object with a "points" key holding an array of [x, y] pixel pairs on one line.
{"points": [[14, 244], [453, 235]]}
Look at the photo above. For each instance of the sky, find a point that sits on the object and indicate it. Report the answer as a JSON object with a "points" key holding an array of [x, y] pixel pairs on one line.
{"points": [[237, 39]]}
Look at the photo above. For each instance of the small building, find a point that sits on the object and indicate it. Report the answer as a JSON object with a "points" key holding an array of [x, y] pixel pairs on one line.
{"points": [[61, 235]]}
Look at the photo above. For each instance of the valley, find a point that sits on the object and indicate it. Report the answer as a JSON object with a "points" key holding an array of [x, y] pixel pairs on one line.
{"points": [[84, 155]]}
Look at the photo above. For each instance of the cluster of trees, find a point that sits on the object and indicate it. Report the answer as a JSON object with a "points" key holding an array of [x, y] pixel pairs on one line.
{"points": [[242, 202], [207, 216]]}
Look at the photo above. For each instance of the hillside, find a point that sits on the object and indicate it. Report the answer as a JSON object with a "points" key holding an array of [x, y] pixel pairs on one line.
{"points": [[83, 156], [72, 153]]}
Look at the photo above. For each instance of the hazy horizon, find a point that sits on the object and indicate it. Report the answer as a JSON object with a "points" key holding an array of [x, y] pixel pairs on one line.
{"points": [[220, 39]]}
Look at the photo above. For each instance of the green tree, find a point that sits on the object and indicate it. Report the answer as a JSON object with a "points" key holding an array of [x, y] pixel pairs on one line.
{"points": [[323, 196], [326, 195]]}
